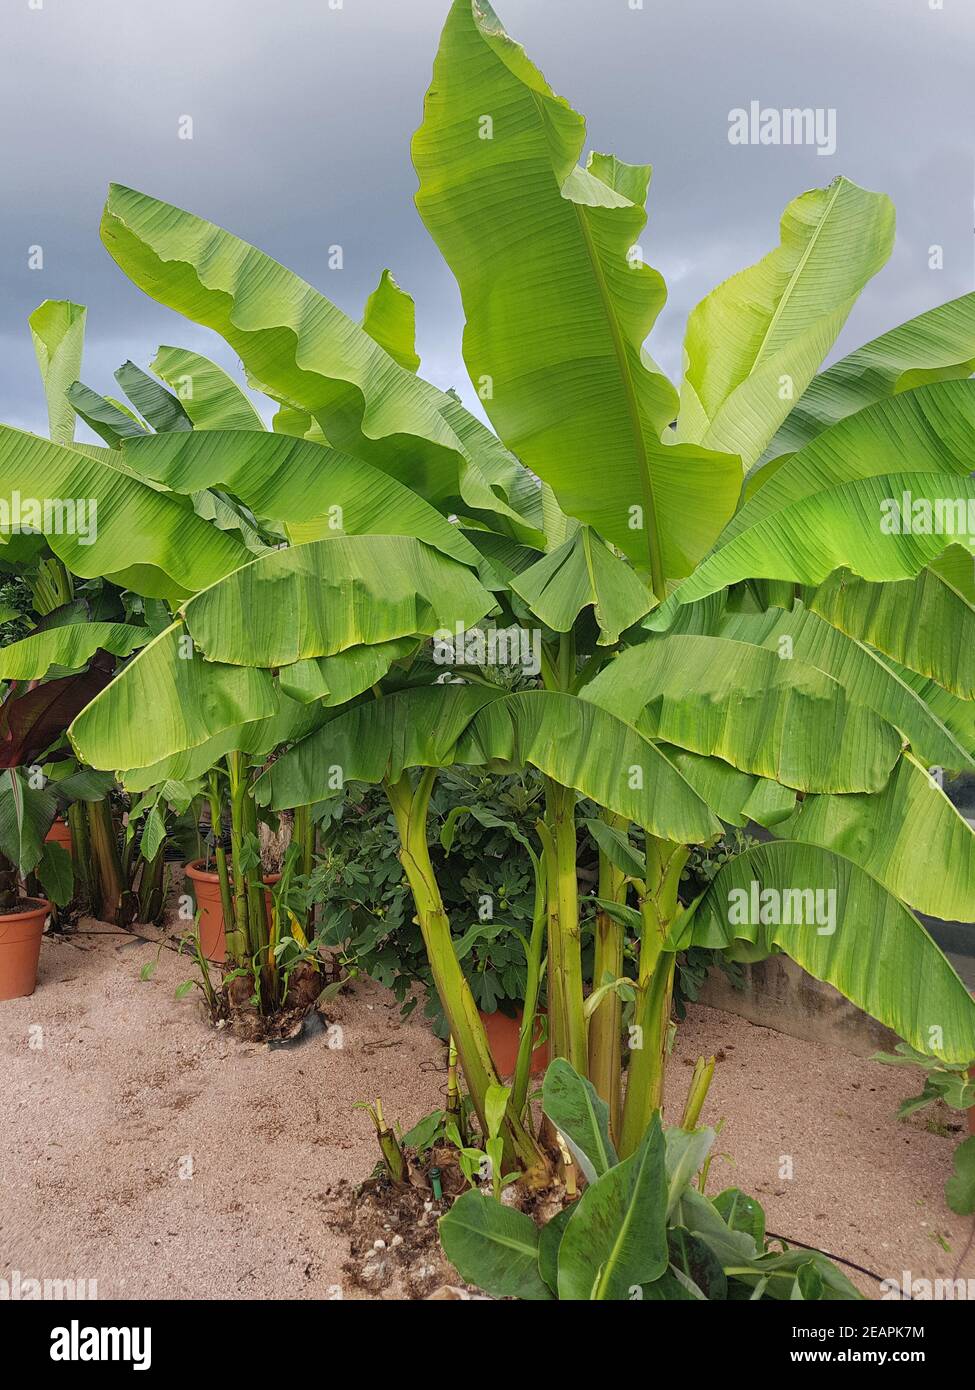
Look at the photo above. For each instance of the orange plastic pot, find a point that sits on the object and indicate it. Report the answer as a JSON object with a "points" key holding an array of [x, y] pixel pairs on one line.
{"points": [[20, 948], [206, 887], [503, 1034], [60, 834]]}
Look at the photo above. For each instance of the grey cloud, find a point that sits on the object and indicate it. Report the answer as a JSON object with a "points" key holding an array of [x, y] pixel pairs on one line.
{"points": [[303, 115]]}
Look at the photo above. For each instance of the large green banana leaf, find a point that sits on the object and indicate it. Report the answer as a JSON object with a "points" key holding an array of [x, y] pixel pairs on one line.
{"points": [[924, 623], [316, 492], [557, 309], [301, 348], [318, 599], [784, 720], [936, 346], [69, 647], [575, 743], [142, 538], [337, 679], [377, 739], [956, 565], [211, 398], [908, 836], [291, 721], [583, 746], [167, 700], [844, 526], [877, 954], [754, 344], [735, 797], [57, 328], [584, 573], [929, 430], [958, 716], [866, 678]]}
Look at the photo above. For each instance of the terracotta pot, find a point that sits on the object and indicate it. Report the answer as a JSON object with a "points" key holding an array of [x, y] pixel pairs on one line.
{"points": [[503, 1033], [20, 948], [60, 834], [206, 886]]}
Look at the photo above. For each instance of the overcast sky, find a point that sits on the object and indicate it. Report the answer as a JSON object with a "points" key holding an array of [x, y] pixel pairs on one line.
{"points": [[302, 116]]}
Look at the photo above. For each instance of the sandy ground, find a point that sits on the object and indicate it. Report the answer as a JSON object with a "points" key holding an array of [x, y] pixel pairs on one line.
{"points": [[143, 1149]]}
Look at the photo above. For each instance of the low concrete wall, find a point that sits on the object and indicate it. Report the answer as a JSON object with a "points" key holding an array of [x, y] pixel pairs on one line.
{"points": [[779, 994]]}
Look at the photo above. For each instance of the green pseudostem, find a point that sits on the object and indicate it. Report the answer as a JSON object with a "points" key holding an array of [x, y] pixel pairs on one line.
{"points": [[410, 811], [659, 908]]}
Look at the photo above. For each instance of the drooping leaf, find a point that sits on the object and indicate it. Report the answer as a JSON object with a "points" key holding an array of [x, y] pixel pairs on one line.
{"points": [[923, 623], [584, 747], [568, 739], [318, 599], [375, 740], [316, 492], [337, 679], [936, 345], [166, 700], [864, 675], [783, 720], [291, 722], [861, 940], [153, 541], [908, 836], [616, 846], [70, 647], [735, 797]]}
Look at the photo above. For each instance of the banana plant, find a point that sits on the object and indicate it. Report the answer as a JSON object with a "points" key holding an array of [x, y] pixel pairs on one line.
{"points": [[710, 579], [796, 659], [729, 632]]}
